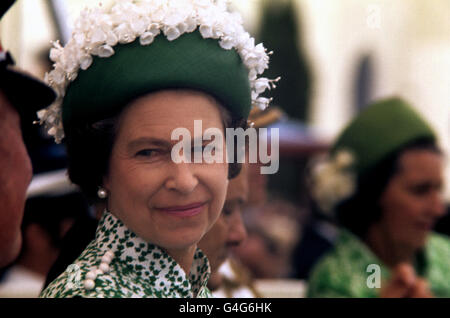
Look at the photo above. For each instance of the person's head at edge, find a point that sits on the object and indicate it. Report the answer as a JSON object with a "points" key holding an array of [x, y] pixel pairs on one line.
{"points": [[398, 195], [20, 97]]}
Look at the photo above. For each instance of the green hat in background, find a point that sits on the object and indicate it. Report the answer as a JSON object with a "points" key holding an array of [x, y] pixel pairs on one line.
{"points": [[190, 62], [378, 131]]}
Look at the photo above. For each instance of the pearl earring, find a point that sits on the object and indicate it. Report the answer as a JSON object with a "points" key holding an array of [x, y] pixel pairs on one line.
{"points": [[102, 193]]}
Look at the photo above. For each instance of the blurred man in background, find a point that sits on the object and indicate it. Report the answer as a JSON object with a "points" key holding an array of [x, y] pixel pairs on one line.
{"points": [[228, 278], [273, 231]]}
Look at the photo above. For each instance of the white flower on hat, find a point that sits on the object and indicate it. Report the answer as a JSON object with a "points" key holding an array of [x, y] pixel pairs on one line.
{"points": [[98, 30], [333, 179]]}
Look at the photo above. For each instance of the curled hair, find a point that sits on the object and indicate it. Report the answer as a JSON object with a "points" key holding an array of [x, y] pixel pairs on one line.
{"points": [[89, 148], [362, 210]]}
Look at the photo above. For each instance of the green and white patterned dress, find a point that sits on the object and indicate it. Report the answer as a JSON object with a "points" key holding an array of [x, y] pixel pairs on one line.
{"points": [[343, 272], [137, 269]]}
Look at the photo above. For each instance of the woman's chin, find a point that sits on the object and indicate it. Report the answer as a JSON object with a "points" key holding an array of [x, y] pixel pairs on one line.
{"points": [[419, 240], [184, 242]]}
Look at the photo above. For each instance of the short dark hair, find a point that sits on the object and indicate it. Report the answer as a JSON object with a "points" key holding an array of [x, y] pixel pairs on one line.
{"points": [[89, 147], [361, 210]]}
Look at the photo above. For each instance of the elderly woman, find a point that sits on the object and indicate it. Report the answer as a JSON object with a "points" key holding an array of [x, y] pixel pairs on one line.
{"points": [[128, 78], [383, 181]]}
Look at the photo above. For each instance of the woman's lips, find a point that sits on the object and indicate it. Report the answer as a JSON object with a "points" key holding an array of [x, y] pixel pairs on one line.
{"points": [[184, 210]]}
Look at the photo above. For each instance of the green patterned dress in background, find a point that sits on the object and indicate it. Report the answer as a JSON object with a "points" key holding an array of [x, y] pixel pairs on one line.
{"points": [[138, 269], [343, 272]]}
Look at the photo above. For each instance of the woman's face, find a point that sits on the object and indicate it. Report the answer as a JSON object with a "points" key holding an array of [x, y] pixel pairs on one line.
{"points": [[412, 201], [168, 204]]}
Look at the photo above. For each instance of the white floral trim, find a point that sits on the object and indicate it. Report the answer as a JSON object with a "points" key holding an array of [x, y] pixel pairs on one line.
{"points": [[98, 30], [333, 180]]}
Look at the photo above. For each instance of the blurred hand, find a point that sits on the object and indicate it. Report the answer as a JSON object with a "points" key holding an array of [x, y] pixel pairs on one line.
{"points": [[421, 290], [404, 283]]}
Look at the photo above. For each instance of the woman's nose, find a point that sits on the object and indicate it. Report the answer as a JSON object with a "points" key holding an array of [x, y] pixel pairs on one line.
{"points": [[436, 205], [182, 178], [237, 232]]}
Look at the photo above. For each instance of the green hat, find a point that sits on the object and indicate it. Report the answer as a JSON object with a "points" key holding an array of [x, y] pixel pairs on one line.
{"points": [[134, 70], [132, 48], [380, 130]]}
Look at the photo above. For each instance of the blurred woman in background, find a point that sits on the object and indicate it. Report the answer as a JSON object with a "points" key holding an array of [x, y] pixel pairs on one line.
{"points": [[383, 182]]}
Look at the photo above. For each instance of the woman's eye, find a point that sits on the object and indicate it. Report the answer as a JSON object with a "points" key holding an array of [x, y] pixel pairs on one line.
{"points": [[226, 210], [420, 190], [145, 153], [426, 189]]}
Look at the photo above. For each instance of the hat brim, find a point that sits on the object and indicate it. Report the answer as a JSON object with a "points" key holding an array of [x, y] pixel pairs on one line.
{"points": [[26, 93]]}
